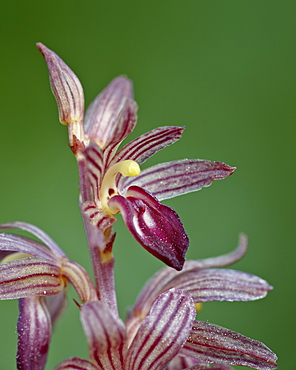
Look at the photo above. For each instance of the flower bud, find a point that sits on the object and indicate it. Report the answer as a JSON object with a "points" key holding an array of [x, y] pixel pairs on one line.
{"points": [[65, 86]]}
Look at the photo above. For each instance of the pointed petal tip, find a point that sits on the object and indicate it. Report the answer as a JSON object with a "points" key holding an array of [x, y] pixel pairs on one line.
{"points": [[223, 170], [225, 167], [42, 48], [123, 85], [45, 51], [228, 168], [112, 114], [232, 169]]}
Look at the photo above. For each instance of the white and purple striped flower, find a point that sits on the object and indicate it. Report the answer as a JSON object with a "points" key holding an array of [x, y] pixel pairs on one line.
{"points": [[111, 181], [37, 274], [162, 333]]}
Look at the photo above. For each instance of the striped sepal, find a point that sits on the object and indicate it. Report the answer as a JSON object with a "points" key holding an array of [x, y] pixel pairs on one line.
{"points": [[143, 147], [170, 179], [30, 276], [125, 124], [221, 285], [20, 242], [163, 333], [34, 333], [15, 243], [163, 277], [211, 343], [103, 115], [106, 336]]}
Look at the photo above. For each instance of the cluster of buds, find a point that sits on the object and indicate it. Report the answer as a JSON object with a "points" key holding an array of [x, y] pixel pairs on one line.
{"points": [[161, 331]]}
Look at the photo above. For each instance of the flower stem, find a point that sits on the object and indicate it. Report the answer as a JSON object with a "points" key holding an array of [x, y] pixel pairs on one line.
{"points": [[100, 246]]}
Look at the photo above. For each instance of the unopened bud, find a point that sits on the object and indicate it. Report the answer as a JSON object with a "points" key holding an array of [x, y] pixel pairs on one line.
{"points": [[65, 86]]}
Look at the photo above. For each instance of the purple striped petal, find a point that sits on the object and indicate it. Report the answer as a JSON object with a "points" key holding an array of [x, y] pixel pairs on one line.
{"points": [[143, 147], [34, 333], [80, 280], [220, 285], [27, 277], [15, 243], [170, 179], [162, 278], [106, 335], [163, 332], [34, 230], [76, 363], [220, 261], [211, 343], [155, 226], [65, 86], [94, 166], [126, 122], [103, 115]]}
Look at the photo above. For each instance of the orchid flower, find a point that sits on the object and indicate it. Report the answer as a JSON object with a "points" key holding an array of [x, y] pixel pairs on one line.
{"points": [[162, 333], [32, 271], [111, 181]]}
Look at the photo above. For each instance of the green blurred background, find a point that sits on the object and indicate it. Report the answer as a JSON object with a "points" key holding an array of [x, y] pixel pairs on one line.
{"points": [[226, 70]]}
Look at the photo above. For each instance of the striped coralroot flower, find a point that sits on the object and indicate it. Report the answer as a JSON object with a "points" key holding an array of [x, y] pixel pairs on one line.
{"points": [[111, 180], [161, 331]]}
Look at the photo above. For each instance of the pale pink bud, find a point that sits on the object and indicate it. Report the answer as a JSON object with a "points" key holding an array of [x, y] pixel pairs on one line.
{"points": [[65, 86]]}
